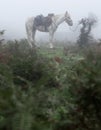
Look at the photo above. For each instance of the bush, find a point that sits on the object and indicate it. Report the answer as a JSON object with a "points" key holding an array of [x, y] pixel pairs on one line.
{"points": [[56, 93], [85, 89]]}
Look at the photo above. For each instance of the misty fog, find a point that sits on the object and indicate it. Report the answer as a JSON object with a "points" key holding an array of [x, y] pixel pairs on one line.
{"points": [[14, 13]]}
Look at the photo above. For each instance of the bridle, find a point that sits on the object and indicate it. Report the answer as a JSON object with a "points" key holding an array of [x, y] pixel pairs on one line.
{"points": [[74, 28]]}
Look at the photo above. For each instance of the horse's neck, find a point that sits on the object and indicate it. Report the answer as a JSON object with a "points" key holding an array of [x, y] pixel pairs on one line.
{"points": [[59, 19]]}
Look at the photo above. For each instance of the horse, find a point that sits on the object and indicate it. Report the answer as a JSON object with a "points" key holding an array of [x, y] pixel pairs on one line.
{"points": [[31, 28]]}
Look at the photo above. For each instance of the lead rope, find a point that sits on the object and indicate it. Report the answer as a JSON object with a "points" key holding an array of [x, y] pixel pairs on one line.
{"points": [[75, 28]]}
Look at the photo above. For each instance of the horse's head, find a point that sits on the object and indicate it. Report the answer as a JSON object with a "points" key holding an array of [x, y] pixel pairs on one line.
{"points": [[68, 19]]}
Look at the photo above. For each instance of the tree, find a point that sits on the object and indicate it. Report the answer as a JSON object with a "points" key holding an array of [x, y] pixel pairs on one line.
{"points": [[87, 25]]}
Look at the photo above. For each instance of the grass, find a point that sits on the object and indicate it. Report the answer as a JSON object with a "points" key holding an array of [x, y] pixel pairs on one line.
{"points": [[45, 86], [50, 53], [71, 56]]}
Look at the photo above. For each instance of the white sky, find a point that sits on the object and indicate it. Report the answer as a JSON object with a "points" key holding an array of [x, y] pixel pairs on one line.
{"points": [[14, 13]]}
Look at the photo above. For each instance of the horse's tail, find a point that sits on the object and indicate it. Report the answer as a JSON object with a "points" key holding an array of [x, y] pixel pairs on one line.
{"points": [[26, 27]]}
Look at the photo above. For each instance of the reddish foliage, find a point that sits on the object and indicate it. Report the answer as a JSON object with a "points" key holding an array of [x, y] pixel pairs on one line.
{"points": [[4, 58], [58, 59]]}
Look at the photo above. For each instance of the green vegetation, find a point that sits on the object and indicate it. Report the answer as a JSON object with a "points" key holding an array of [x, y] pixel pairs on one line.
{"points": [[50, 89]]}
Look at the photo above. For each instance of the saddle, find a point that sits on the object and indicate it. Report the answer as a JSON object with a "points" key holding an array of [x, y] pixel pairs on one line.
{"points": [[40, 20]]}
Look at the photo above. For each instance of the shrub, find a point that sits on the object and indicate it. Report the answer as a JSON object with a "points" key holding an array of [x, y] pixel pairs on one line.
{"points": [[85, 89]]}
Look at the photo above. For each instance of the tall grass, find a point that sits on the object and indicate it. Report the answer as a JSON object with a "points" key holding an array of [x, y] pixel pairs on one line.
{"points": [[49, 89]]}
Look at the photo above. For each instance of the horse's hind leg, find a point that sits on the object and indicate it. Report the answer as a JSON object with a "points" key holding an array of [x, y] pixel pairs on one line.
{"points": [[29, 40], [33, 37], [51, 34], [29, 35]]}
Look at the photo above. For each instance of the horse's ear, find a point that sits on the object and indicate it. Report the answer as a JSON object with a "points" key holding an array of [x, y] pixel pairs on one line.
{"points": [[66, 13]]}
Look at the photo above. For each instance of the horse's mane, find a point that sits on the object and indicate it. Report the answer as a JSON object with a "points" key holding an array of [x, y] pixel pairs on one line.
{"points": [[57, 16]]}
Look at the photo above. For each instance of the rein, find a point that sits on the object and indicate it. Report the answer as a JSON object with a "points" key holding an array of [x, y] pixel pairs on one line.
{"points": [[74, 28]]}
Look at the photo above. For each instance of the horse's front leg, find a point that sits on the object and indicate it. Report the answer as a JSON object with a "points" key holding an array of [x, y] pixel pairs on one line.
{"points": [[51, 35]]}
